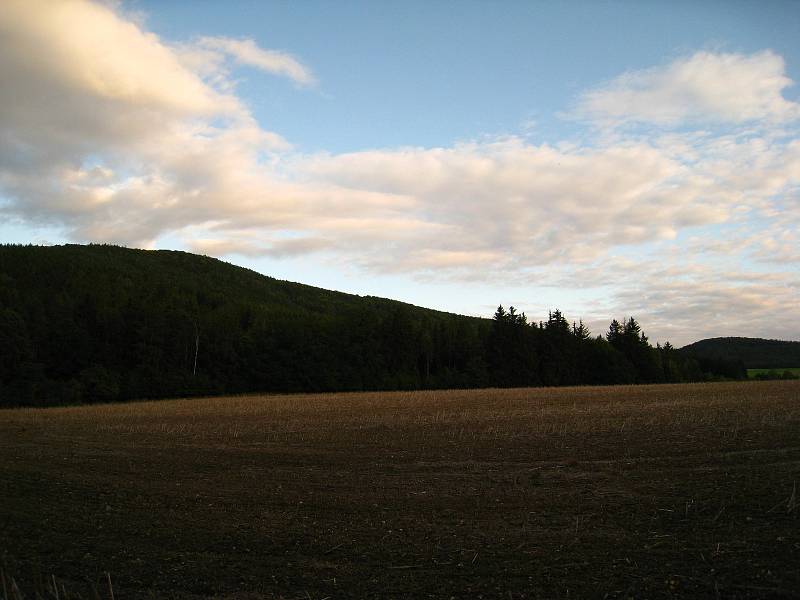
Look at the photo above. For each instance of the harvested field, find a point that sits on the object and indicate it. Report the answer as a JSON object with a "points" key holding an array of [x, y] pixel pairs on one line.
{"points": [[639, 491]]}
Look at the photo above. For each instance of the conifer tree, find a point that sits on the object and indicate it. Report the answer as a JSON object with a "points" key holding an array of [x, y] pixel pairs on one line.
{"points": [[614, 334]]}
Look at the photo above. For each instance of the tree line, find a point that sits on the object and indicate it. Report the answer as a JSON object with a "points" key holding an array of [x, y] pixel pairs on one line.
{"points": [[103, 324], [755, 353]]}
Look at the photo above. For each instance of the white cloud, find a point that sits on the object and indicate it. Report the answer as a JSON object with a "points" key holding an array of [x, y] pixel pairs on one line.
{"points": [[93, 94], [538, 205], [83, 49], [705, 87]]}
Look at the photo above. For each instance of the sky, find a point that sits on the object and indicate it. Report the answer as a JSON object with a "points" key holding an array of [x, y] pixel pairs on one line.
{"points": [[604, 158]]}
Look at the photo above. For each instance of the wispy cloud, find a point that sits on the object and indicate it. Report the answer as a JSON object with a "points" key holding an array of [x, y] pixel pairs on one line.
{"points": [[713, 302], [247, 52]]}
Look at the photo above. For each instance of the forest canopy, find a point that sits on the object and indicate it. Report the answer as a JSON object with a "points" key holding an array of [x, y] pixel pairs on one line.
{"points": [[103, 323]]}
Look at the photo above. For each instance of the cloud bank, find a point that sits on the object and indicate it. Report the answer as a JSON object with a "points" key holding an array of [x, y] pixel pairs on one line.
{"points": [[115, 135]]}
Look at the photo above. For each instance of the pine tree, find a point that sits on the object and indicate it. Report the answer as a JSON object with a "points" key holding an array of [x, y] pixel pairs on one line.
{"points": [[581, 331], [500, 314], [614, 335]]}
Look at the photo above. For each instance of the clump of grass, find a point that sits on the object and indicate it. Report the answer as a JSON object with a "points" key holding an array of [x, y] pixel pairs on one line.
{"points": [[50, 588]]}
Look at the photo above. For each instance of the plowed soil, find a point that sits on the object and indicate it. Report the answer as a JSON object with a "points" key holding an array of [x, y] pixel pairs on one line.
{"points": [[637, 491]]}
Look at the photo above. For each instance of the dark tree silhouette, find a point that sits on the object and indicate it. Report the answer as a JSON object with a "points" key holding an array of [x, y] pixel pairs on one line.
{"points": [[103, 323]]}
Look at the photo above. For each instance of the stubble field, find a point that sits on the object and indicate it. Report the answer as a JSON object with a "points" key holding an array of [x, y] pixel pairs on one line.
{"points": [[644, 492]]}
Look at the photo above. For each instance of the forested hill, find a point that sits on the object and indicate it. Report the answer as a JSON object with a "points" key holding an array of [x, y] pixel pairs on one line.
{"points": [[755, 353], [105, 323]]}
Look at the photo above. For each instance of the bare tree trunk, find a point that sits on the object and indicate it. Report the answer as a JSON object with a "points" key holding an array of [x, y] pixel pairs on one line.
{"points": [[196, 348]]}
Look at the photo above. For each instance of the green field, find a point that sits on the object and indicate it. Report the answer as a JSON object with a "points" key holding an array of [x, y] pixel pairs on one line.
{"points": [[619, 492], [753, 372]]}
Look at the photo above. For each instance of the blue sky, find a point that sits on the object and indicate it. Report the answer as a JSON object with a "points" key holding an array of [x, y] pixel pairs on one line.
{"points": [[603, 158], [432, 73]]}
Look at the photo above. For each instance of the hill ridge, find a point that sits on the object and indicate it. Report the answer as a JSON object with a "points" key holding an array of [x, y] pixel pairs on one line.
{"points": [[755, 353]]}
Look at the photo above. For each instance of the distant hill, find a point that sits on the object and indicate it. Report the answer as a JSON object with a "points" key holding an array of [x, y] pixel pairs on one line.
{"points": [[103, 323], [755, 353]]}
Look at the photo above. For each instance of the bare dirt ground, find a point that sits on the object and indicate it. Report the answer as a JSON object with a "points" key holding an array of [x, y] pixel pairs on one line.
{"points": [[644, 492]]}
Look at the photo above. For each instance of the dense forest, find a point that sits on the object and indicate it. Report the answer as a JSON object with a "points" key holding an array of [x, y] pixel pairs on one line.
{"points": [[103, 323], [755, 353]]}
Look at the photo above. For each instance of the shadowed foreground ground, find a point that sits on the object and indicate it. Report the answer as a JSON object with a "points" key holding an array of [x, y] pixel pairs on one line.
{"points": [[651, 491]]}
